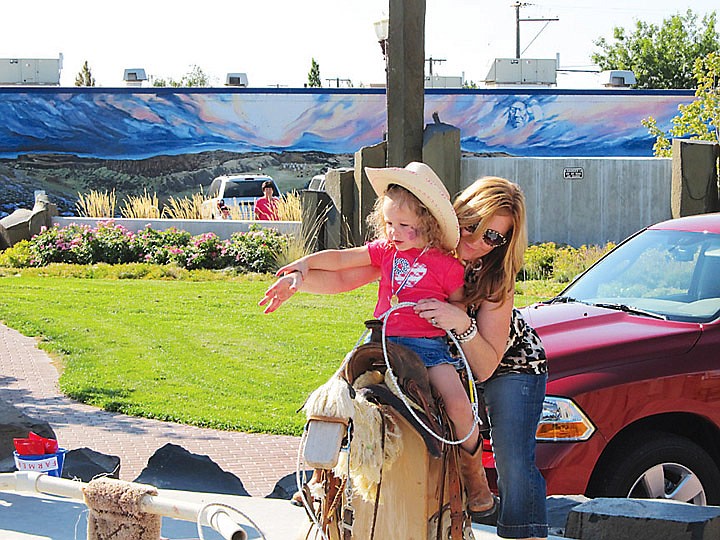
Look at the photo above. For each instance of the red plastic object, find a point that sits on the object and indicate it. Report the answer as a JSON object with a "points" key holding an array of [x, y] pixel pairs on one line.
{"points": [[49, 446], [29, 447]]}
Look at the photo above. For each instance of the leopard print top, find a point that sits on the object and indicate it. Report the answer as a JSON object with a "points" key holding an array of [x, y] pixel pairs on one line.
{"points": [[524, 352]]}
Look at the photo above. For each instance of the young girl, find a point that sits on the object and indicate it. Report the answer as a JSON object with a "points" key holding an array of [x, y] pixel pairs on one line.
{"points": [[417, 230]]}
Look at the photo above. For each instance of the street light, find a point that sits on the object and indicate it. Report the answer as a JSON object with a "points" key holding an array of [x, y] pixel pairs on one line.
{"points": [[382, 31]]}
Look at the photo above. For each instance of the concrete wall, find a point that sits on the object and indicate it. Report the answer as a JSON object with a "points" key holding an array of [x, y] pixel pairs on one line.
{"points": [[580, 201], [223, 228]]}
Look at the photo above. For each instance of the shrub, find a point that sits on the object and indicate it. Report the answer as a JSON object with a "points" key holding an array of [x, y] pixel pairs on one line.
{"points": [[71, 244], [203, 251], [559, 263], [539, 260], [160, 247], [257, 249], [569, 262], [17, 256], [113, 244]]}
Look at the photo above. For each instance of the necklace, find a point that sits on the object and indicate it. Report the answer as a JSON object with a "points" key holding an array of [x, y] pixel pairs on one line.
{"points": [[394, 292]]}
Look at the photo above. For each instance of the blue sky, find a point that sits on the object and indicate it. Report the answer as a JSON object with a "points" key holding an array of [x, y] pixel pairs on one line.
{"points": [[273, 41]]}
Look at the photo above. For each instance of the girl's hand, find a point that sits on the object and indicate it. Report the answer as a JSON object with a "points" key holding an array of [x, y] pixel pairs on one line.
{"points": [[443, 315], [296, 266], [280, 291]]}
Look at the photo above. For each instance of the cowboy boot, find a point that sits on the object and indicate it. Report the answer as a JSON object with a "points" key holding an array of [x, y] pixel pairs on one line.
{"points": [[481, 502]]}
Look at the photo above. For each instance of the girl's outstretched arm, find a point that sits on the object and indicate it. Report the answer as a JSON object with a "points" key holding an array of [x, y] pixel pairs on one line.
{"points": [[317, 281], [329, 259]]}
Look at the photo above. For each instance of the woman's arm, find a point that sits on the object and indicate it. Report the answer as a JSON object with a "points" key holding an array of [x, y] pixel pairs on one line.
{"points": [[486, 349], [317, 281]]}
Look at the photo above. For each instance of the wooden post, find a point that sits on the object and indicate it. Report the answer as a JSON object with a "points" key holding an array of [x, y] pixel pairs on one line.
{"points": [[405, 81]]}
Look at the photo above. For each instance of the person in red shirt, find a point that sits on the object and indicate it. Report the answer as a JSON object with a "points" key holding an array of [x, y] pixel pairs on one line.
{"points": [[266, 207]]}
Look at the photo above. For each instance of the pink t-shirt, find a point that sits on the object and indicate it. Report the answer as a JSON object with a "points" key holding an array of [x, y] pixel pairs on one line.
{"points": [[435, 274], [266, 210]]}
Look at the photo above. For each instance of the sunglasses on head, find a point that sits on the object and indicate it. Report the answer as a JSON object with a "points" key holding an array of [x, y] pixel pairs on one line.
{"points": [[491, 236]]}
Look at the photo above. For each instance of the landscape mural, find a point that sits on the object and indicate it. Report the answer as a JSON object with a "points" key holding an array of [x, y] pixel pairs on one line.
{"points": [[173, 141]]}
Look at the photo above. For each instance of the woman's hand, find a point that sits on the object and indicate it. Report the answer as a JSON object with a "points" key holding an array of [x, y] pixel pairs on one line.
{"points": [[280, 291], [443, 315]]}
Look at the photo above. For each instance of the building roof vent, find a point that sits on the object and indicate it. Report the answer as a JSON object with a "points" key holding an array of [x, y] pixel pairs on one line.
{"points": [[617, 78], [236, 79], [134, 76]]}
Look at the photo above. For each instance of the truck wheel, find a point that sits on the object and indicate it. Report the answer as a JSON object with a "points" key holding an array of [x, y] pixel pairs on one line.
{"points": [[661, 466]]}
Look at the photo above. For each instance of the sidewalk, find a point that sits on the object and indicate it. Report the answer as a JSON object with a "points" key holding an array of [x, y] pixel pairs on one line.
{"points": [[29, 381]]}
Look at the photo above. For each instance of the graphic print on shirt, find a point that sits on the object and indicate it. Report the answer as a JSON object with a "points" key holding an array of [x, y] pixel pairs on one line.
{"points": [[400, 272]]}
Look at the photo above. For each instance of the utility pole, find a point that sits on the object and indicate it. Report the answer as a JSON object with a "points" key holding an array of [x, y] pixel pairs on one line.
{"points": [[432, 61], [405, 81], [518, 20]]}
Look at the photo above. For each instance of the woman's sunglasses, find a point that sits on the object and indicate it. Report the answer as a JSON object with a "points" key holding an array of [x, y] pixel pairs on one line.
{"points": [[491, 236]]}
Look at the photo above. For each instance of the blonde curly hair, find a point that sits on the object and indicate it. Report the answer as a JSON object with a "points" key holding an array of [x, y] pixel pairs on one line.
{"points": [[428, 226]]}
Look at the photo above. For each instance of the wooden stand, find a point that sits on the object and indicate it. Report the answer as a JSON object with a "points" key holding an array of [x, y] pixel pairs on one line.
{"points": [[410, 495]]}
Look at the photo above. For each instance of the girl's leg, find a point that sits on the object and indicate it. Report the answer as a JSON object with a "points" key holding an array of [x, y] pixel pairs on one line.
{"points": [[446, 382], [480, 500], [514, 403]]}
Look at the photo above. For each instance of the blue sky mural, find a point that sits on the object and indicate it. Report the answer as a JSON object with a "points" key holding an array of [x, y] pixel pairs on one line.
{"points": [[135, 123]]}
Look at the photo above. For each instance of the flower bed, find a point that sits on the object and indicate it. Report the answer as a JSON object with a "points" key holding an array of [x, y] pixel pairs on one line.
{"points": [[111, 243]]}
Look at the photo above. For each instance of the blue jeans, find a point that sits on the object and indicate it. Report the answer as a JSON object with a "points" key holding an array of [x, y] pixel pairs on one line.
{"points": [[514, 402], [432, 351]]}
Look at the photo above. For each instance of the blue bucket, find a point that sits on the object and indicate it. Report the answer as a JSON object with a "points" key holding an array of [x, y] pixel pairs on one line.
{"points": [[50, 464]]}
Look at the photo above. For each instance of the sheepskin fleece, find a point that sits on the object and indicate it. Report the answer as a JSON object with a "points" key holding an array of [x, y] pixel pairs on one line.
{"points": [[115, 511]]}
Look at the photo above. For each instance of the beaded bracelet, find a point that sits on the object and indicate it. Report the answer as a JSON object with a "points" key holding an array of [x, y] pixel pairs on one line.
{"points": [[468, 334]]}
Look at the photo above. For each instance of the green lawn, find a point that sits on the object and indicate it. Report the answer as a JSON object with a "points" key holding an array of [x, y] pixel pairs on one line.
{"points": [[196, 352]]}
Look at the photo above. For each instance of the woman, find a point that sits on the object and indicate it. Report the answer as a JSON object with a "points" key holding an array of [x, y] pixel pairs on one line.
{"points": [[503, 351], [266, 207]]}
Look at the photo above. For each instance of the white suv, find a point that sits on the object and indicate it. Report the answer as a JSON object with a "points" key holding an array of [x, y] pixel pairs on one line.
{"points": [[237, 190]]}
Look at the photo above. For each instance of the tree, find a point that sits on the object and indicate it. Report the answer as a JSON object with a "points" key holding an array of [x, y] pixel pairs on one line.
{"points": [[699, 120], [196, 77], [314, 75], [84, 76], [661, 57]]}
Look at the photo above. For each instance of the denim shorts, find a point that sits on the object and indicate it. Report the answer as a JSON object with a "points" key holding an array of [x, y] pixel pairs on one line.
{"points": [[514, 402], [432, 351]]}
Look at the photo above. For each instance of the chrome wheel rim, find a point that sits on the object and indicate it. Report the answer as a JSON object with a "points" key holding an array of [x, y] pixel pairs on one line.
{"points": [[669, 481]]}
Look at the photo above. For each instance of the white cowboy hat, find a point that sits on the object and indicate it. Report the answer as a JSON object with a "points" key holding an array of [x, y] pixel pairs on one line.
{"points": [[420, 180]]}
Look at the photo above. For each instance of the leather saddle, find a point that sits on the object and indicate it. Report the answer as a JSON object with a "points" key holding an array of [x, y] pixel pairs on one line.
{"points": [[412, 378]]}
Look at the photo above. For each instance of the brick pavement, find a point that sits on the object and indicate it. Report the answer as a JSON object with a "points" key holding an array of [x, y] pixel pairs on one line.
{"points": [[29, 381]]}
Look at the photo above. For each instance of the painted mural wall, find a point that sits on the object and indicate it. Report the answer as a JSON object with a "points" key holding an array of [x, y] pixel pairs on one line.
{"points": [[134, 123], [120, 124]]}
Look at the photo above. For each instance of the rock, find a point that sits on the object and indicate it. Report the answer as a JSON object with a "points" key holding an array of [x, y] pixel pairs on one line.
{"points": [[558, 508], [85, 464], [173, 467], [287, 486], [16, 424], [4, 238], [642, 519]]}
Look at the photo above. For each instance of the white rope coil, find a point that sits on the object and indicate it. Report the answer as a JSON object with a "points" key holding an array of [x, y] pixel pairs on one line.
{"points": [[471, 381]]}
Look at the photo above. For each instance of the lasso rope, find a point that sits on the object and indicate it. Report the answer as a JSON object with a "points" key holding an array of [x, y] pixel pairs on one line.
{"points": [[471, 381]]}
